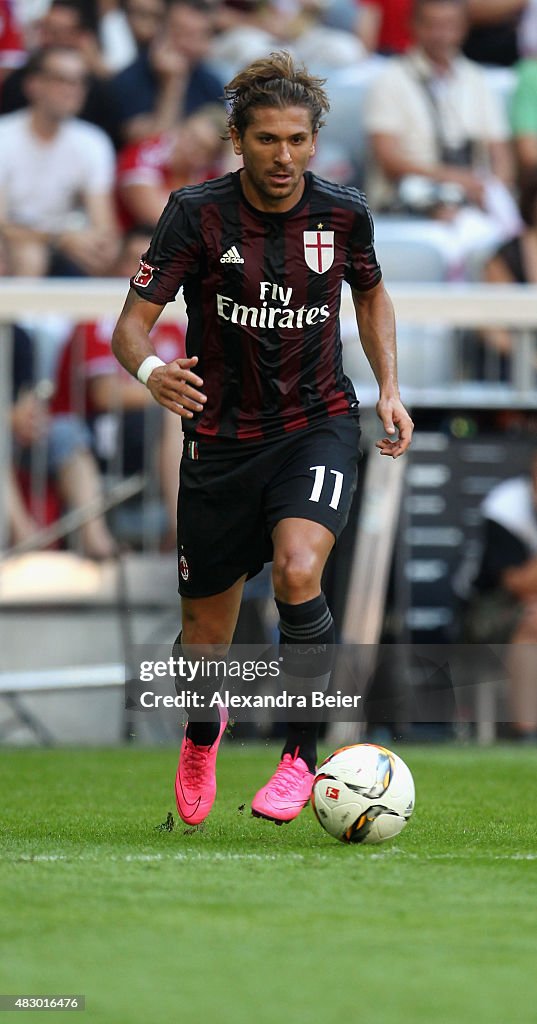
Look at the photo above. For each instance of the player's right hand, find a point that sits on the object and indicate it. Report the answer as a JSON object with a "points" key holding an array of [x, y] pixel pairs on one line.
{"points": [[175, 386]]}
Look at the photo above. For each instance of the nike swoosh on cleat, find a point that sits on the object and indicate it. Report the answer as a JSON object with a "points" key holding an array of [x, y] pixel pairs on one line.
{"points": [[291, 804], [195, 804]]}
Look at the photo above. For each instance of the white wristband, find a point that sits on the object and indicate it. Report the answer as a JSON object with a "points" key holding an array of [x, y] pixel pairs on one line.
{"points": [[146, 368]]}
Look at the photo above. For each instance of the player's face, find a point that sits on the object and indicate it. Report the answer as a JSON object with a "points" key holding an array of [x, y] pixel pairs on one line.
{"points": [[276, 148]]}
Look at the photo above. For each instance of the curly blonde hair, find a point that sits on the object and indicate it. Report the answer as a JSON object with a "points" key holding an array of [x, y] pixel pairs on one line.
{"points": [[275, 81]]}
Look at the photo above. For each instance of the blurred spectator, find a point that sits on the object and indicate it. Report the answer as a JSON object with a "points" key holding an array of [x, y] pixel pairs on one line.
{"points": [[70, 23], [93, 390], [439, 137], [12, 49], [27, 422], [148, 171], [65, 454], [524, 117], [128, 29], [320, 46], [515, 262], [169, 80], [493, 26], [56, 176], [504, 608], [64, 25], [385, 26], [527, 30], [248, 30]]}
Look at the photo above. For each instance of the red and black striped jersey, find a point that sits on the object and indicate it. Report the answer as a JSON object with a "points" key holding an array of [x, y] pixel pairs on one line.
{"points": [[262, 292]]}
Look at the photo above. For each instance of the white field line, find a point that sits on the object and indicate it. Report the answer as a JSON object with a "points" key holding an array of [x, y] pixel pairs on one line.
{"points": [[212, 857]]}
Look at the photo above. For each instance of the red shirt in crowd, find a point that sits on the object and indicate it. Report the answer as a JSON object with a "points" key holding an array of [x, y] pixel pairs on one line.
{"points": [[12, 50], [395, 29], [88, 354], [149, 162]]}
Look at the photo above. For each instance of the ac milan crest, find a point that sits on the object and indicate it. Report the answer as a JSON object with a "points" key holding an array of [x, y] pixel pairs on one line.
{"points": [[319, 250], [145, 274], [184, 570]]}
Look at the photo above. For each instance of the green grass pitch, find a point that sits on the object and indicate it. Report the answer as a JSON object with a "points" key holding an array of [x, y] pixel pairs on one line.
{"points": [[248, 923]]}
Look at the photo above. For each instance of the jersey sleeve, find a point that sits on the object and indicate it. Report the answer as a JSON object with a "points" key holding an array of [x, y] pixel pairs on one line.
{"points": [[173, 254], [362, 270]]}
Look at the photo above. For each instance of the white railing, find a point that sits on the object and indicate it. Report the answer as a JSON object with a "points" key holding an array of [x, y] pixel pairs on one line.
{"points": [[455, 305], [448, 305]]}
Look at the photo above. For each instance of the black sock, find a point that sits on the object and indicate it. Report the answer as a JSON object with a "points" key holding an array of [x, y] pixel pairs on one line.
{"points": [[302, 742], [303, 626], [203, 723], [202, 734]]}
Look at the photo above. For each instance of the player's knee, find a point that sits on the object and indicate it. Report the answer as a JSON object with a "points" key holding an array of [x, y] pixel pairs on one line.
{"points": [[296, 576]]}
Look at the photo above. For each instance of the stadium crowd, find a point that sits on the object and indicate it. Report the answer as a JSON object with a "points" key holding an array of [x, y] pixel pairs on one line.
{"points": [[107, 105]]}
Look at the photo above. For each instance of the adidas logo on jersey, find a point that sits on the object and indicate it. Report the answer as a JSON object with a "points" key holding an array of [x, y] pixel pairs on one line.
{"points": [[232, 256]]}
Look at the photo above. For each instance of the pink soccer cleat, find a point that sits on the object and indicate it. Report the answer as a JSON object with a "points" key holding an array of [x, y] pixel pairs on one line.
{"points": [[286, 793], [195, 781]]}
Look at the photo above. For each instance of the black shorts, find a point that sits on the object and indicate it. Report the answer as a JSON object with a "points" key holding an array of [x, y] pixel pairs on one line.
{"points": [[232, 495]]}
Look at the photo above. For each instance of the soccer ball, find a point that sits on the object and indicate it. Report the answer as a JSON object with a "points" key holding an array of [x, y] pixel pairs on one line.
{"points": [[363, 794]]}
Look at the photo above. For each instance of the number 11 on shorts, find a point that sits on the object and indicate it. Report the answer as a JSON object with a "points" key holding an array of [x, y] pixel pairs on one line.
{"points": [[320, 473]]}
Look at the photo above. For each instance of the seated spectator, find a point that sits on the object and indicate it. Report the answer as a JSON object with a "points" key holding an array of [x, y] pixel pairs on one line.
{"points": [[169, 80], [385, 26], [93, 389], [439, 138], [321, 47], [493, 31], [27, 423], [515, 262], [527, 30], [248, 30], [128, 29], [63, 24], [65, 453], [12, 49], [56, 176], [524, 117], [504, 608], [148, 171]]}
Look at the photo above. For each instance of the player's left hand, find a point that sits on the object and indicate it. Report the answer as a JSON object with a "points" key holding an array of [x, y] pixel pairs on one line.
{"points": [[394, 418]]}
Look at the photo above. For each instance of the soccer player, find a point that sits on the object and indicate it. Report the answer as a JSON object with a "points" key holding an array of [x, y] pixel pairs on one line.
{"points": [[271, 422]]}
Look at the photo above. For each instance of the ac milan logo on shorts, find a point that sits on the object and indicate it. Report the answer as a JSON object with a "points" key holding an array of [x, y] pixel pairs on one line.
{"points": [[184, 570], [144, 275], [332, 793]]}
